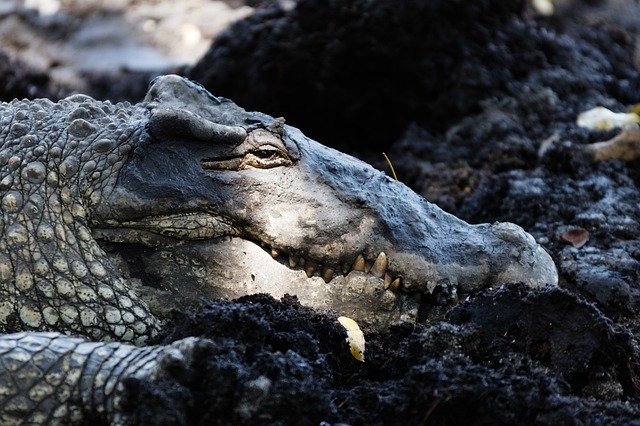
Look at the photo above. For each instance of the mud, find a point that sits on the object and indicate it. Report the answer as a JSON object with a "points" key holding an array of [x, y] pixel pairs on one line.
{"points": [[508, 356]]}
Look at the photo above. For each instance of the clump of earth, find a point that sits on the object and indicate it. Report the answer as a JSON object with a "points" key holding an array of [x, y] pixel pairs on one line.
{"points": [[475, 104]]}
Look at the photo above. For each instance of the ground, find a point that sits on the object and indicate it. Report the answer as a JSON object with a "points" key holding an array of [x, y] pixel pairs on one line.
{"points": [[476, 105]]}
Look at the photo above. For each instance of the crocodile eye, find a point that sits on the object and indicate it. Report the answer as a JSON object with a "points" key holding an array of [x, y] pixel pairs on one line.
{"points": [[266, 157], [269, 153]]}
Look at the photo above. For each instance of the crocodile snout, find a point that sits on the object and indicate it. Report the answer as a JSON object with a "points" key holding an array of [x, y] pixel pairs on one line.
{"points": [[524, 260]]}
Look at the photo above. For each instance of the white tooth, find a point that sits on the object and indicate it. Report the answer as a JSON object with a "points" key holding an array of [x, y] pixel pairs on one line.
{"points": [[380, 265], [395, 285], [358, 264], [292, 261], [275, 253], [327, 274], [388, 279], [309, 269]]}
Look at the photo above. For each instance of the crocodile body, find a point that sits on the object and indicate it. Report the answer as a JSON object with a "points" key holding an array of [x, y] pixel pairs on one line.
{"points": [[186, 171]]}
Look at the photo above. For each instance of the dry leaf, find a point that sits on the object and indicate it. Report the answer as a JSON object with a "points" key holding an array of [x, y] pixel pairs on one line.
{"points": [[577, 237], [603, 119], [355, 337]]}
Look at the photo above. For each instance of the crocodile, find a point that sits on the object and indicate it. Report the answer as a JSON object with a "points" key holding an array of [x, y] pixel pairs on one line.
{"points": [[85, 185]]}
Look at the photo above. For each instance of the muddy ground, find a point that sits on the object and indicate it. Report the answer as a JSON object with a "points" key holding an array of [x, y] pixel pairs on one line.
{"points": [[476, 105]]}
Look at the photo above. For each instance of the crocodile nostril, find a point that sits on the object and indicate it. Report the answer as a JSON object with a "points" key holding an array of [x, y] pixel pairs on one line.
{"points": [[512, 233]]}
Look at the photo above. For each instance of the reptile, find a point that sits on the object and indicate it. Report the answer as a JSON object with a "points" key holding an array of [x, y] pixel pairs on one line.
{"points": [[85, 184]]}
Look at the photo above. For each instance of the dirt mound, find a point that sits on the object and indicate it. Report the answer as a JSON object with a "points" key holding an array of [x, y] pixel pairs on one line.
{"points": [[546, 356], [355, 74]]}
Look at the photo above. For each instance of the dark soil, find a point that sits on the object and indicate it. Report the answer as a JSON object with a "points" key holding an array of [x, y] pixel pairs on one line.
{"points": [[511, 356], [354, 74]]}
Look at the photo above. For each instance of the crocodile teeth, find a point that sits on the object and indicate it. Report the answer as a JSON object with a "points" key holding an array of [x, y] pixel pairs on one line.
{"points": [[388, 279], [327, 274], [380, 265], [309, 269], [293, 262], [275, 253], [358, 264], [346, 268], [395, 285]]}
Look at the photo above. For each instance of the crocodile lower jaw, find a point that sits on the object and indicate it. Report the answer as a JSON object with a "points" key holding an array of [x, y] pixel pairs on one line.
{"points": [[350, 287]]}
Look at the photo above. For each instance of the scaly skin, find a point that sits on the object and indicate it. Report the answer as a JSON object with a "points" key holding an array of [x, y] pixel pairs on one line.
{"points": [[185, 171], [56, 161]]}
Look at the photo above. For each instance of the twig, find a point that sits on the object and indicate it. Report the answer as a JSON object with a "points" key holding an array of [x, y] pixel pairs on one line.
{"points": [[393, 172]]}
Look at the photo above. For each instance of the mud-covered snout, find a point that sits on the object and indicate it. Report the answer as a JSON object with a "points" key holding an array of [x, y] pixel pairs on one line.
{"points": [[428, 249], [521, 258]]}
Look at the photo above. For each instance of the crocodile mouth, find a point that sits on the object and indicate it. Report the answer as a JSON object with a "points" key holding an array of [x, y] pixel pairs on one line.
{"points": [[363, 287]]}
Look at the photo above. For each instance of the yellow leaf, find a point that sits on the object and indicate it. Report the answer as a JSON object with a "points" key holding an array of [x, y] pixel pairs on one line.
{"points": [[355, 337]]}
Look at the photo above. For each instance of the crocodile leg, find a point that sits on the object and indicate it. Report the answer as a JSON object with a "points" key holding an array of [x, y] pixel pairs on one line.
{"points": [[50, 378]]}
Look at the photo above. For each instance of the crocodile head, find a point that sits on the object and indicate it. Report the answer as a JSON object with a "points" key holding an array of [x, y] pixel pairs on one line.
{"points": [[242, 203]]}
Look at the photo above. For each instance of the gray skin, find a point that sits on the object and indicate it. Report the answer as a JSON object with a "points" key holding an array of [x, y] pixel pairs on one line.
{"points": [[226, 202]]}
